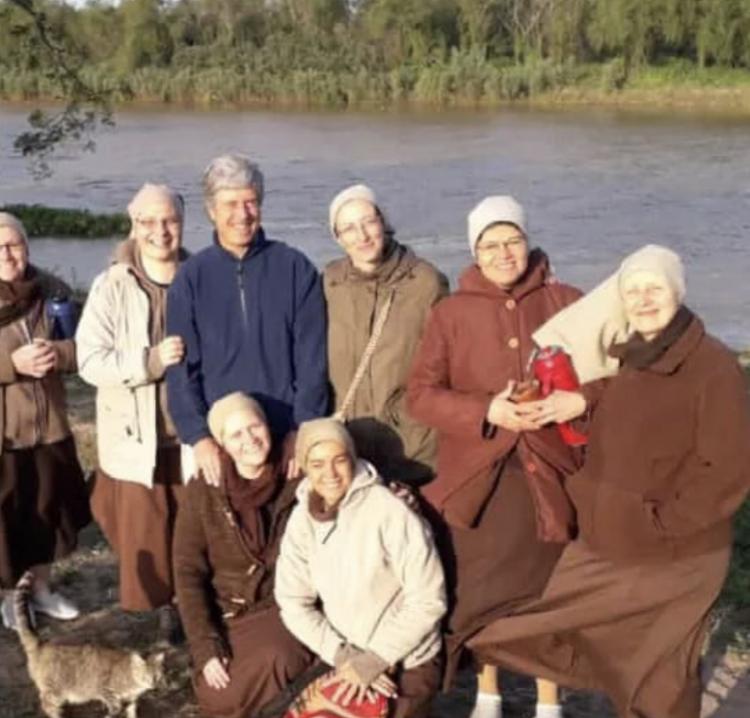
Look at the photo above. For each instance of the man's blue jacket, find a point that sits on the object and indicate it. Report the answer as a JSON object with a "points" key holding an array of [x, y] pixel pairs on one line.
{"points": [[256, 324]]}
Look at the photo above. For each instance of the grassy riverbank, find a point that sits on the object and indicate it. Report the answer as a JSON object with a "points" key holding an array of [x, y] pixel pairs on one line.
{"points": [[41, 221], [460, 80]]}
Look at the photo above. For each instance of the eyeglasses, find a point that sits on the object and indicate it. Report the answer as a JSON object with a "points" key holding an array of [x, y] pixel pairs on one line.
{"points": [[367, 225], [13, 247], [492, 248], [151, 224]]}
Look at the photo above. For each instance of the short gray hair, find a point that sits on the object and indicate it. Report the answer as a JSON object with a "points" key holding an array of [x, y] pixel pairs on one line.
{"points": [[10, 220], [231, 172]]}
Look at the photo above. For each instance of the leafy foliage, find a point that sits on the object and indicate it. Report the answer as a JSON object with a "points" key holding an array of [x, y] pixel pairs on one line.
{"points": [[40, 221]]}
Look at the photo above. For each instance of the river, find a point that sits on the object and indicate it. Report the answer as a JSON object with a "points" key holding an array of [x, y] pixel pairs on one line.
{"points": [[597, 183]]}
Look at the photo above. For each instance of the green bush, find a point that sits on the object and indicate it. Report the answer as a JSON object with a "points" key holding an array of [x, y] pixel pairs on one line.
{"points": [[42, 221]]}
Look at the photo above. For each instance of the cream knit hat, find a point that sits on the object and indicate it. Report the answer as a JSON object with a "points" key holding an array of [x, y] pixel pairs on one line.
{"points": [[155, 193], [318, 430], [494, 210], [657, 260], [355, 191], [222, 408]]}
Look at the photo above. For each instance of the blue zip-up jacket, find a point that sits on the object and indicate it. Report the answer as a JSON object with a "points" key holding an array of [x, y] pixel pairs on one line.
{"points": [[256, 324]]}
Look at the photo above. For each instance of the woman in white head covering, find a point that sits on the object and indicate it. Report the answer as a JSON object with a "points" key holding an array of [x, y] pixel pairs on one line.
{"points": [[378, 298], [358, 580], [500, 511], [43, 497], [626, 608], [124, 352]]}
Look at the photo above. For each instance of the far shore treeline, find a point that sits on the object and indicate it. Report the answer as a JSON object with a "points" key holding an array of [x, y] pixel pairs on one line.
{"points": [[340, 53]]}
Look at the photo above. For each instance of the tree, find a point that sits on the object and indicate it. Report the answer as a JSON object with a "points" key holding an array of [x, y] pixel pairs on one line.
{"points": [[85, 110]]}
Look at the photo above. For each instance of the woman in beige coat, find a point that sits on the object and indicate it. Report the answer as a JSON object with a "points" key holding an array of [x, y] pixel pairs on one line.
{"points": [[43, 498], [123, 352], [379, 281], [358, 579]]}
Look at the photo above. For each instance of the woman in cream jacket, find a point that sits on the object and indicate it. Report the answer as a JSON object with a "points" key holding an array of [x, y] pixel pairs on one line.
{"points": [[124, 353], [358, 578]]}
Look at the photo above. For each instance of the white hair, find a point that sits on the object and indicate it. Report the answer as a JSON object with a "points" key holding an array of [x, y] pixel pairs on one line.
{"points": [[231, 172]]}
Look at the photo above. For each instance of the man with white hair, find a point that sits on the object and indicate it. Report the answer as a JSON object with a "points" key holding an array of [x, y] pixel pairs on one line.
{"points": [[251, 313]]}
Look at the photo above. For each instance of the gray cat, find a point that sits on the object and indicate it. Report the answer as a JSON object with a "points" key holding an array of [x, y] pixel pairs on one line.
{"points": [[81, 673]]}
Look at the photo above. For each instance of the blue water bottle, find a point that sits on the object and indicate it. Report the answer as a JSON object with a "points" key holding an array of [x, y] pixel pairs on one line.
{"points": [[63, 316]]}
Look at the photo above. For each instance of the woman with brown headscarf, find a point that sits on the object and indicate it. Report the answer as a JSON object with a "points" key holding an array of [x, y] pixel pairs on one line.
{"points": [[43, 498]]}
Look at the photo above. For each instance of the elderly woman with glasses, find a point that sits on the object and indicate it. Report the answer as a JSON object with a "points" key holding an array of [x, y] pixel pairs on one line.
{"points": [[43, 497], [626, 609], [500, 511], [124, 351], [379, 295]]}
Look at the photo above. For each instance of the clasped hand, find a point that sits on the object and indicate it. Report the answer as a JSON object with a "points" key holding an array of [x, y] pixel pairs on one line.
{"points": [[558, 407], [36, 359], [352, 689]]}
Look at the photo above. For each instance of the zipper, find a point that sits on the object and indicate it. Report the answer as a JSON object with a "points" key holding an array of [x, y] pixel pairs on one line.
{"points": [[34, 388], [241, 288]]}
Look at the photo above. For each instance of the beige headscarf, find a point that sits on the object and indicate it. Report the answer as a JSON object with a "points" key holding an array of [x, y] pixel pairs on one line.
{"points": [[10, 220], [587, 328], [319, 430], [222, 408]]}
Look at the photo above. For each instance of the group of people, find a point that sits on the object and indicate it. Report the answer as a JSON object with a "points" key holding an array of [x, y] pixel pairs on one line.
{"points": [[356, 470]]}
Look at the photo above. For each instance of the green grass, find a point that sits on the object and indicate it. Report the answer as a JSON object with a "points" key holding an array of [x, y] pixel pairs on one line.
{"points": [[43, 221]]}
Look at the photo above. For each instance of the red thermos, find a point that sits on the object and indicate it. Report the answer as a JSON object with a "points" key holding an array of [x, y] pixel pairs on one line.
{"points": [[553, 369]]}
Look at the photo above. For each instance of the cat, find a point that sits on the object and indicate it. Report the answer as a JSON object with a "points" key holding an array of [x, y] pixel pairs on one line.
{"points": [[81, 673]]}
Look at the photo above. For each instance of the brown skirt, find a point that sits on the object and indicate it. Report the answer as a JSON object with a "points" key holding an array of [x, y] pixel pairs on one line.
{"points": [[139, 522], [416, 689], [265, 658], [496, 566], [633, 631], [43, 506]]}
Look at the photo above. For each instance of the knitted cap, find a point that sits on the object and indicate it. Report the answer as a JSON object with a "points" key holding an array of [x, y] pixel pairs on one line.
{"points": [[222, 408], [319, 430], [355, 191], [494, 210], [657, 260], [9, 220]]}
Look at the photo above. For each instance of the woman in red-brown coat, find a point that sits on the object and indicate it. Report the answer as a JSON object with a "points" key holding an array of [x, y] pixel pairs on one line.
{"points": [[498, 505], [626, 608]]}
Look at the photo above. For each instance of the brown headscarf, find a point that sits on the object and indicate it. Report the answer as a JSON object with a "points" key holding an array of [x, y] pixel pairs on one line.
{"points": [[638, 353], [247, 498], [18, 297]]}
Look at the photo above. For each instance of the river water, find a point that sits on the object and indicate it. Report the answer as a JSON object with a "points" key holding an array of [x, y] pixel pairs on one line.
{"points": [[596, 184]]}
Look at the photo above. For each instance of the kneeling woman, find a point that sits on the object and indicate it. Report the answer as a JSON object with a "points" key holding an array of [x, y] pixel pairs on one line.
{"points": [[359, 580], [225, 548]]}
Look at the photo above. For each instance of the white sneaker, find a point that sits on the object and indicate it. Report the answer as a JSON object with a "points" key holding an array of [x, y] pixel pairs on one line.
{"points": [[549, 710], [54, 605], [8, 613], [488, 705]]}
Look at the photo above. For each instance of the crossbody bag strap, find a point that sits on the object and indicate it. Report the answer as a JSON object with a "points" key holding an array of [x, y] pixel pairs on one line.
{"points": [[364, 362]]}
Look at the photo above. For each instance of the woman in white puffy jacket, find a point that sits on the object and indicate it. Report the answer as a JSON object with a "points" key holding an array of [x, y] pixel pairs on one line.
{"points": [[123, 351], [358, 579]]}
